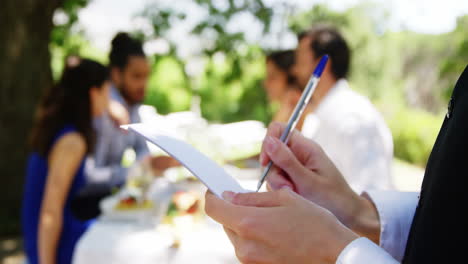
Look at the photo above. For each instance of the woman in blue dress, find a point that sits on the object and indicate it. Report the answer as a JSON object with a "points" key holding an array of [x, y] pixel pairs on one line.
{"points": [[62, 136]]}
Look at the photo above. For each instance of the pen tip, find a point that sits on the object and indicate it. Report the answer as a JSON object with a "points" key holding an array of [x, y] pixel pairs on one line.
{"points": [[259, 185]]}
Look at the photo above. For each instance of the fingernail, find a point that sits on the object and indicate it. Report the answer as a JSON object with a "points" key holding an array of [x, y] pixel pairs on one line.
{"points": [[286, 187], [228, 196], [270, 145]]}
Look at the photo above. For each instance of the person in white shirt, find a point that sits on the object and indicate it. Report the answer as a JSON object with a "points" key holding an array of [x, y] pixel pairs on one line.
{"points": [[344, 123]]}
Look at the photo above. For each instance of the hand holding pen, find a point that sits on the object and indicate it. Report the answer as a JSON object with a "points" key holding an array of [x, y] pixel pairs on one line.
{"points": [[298, 110]]}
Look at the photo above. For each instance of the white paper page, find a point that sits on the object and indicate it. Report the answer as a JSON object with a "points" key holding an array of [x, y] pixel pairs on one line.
{"points": [[202, 167]]}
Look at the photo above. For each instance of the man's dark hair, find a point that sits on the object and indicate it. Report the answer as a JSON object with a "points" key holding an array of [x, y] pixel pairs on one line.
{"points": [[284, 60], [327, 40], [124, 46]]}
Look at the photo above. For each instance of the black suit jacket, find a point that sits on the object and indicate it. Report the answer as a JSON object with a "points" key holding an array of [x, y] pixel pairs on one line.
{"points": [[439, 232]]}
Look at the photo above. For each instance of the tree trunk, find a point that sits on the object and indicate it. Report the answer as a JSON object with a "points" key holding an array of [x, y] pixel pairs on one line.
{"points": [[25, 28]]}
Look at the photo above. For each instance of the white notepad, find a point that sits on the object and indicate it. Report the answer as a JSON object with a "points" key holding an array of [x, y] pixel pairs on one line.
{"points": [[206, 170]]}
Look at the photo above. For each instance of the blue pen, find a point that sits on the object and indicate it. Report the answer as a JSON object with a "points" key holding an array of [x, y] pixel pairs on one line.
{"points": [[298, 110]]}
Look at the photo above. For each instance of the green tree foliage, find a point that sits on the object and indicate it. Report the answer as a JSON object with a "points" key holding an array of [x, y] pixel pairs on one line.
{"points": [[230, 83], [69, 13], [67, 38], [457, 58], [414, 133]]}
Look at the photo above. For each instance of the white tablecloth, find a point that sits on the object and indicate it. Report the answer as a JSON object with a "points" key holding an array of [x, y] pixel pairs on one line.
{"points": [[120, 242]]}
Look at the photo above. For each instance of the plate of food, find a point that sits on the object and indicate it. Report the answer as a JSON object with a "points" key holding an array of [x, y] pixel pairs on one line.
{"points": [[127, 205]]}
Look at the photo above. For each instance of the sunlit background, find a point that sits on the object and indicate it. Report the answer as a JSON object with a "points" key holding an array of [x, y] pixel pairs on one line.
{"points": [[407, 56]]}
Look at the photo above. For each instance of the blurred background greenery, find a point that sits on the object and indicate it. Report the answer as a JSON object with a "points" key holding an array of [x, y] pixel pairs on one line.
{"points": [[408, 75]]}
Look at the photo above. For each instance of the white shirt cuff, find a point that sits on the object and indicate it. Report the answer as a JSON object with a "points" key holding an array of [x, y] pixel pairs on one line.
{"points": [[396, 211], [362, 250]]}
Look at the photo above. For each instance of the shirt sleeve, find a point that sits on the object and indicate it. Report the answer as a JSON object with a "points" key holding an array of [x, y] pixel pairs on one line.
{"points": [[396, 211], [112, 175], [362, 250], [100, 167], [140, 146]]}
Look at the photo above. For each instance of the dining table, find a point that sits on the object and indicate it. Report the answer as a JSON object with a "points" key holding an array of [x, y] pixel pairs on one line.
{"points": [[144, 240]]}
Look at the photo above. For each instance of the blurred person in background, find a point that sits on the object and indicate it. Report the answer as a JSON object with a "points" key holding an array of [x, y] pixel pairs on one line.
{"points": [[62, 136], [344, 123], [280, 84], [129, 71], [279, 81]]}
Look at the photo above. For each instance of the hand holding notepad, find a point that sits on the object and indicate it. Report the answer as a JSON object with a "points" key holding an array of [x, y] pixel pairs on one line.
{"points": [[206, 170]]}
